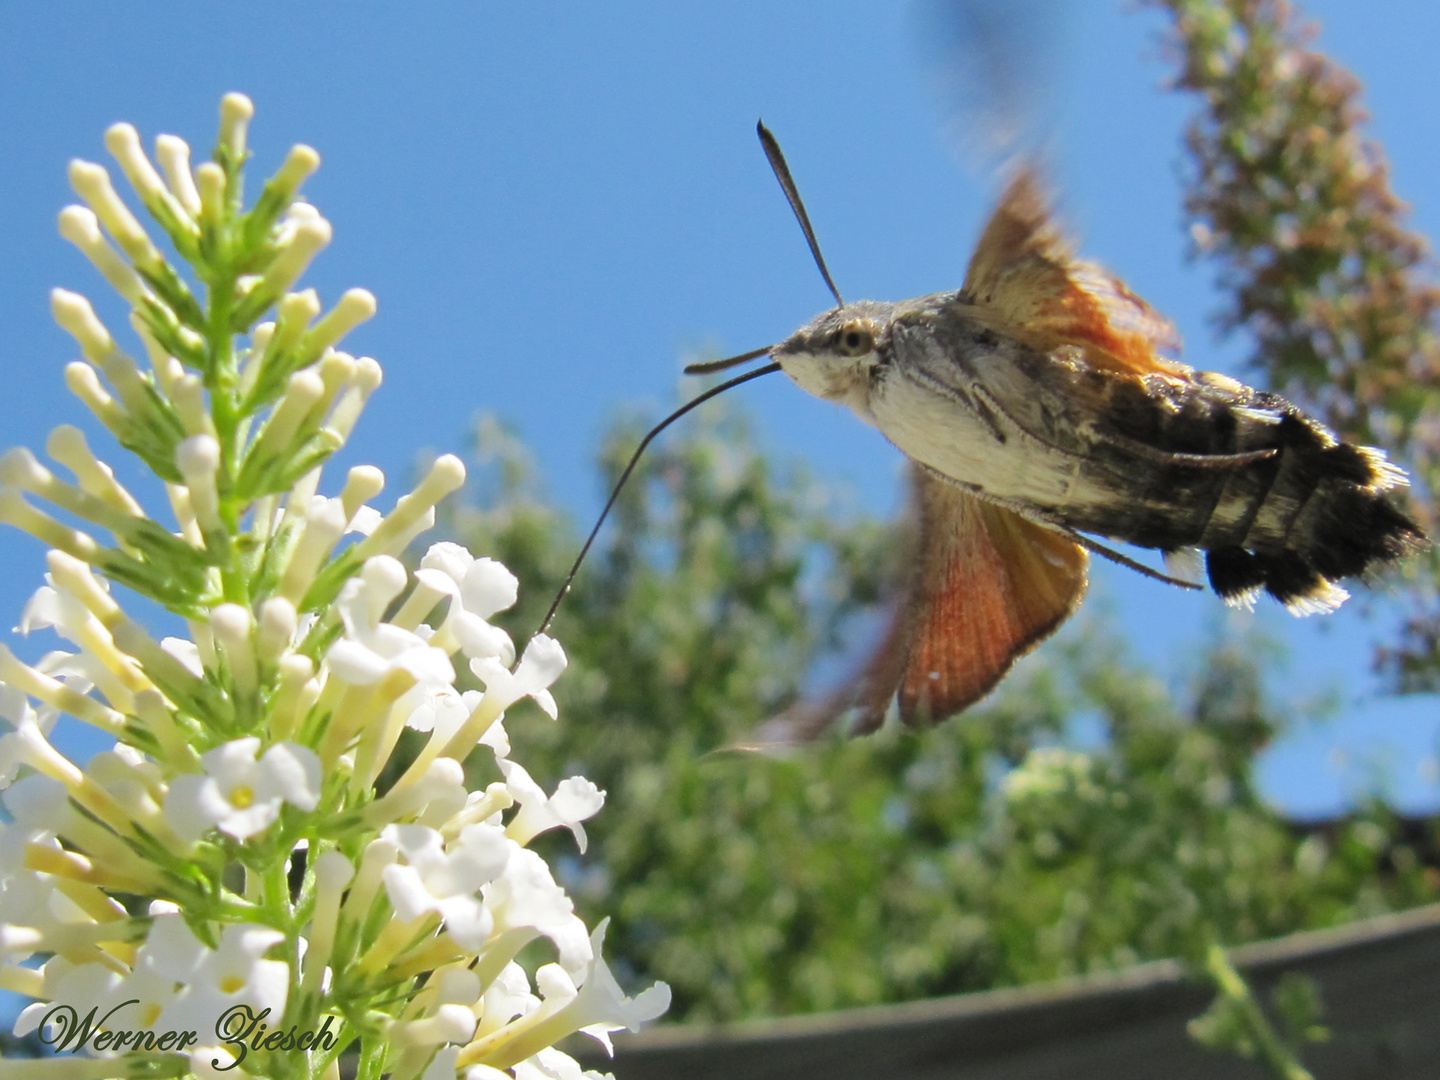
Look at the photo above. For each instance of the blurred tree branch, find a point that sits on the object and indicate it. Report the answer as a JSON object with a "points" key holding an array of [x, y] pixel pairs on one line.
{"points": [[1294, 204]]}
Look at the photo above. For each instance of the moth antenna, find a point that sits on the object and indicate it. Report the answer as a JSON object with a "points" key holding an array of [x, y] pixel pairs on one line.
{"points": [[635, 460], [710, 367], [792, 193]]}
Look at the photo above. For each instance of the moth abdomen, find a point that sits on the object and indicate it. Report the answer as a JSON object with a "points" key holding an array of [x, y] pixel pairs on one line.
{"points": [[1323, 517], [1281, 504]]}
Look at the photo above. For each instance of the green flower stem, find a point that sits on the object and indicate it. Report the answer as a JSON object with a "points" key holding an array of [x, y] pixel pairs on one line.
{"points": [[1269, 1047]]}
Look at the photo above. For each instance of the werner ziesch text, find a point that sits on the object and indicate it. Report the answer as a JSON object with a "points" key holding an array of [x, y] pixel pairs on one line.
{"points": [[238, 1027]]}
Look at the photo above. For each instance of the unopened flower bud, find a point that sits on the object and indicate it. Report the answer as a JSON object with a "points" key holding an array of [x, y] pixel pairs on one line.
{"points": [[77, 318], [123, 142], [235, 113], [173, 153], [81, 227], [355, 306]]}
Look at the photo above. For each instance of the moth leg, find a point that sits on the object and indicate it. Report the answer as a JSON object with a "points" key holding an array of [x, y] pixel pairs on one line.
{"points": [[1123, 560], [1029, 514], [1167, 457]]}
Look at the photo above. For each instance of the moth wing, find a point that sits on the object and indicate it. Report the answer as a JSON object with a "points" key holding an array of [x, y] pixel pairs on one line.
{"points": [[990, 586], [1026, 278], [986, 586]]}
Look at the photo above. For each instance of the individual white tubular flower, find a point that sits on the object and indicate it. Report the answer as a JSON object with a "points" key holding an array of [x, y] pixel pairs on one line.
{"points": [[371, 648], [525, 903], [77, 942], [67, 445], [235, 113], [81, 227], [233, 626], [187, 393], [506, 996], [412, 511], [362, 483], [376, 665], [539, 667], [293, 316], [337, 370], [354, 307], [449, 1023], [276, 629], [167, 369], [215, 980], [251, 359], [135, 785], [299, 163], [27, 982], [479, 806], [210, 179], [198, 459], [306, 240], [297, 693], [574, 801], [347, 410], [324, 525], [117, 675], [456, 984], [57, 695], [379, 854], [332, 873], [173, 153], [428, 592], [434, 878], [82, 381], [123, 142], [79, 581], [364, 598], [240, 793], [302, 391], [92, 183], [478, 589], [599, 1008], [151, 708], [14, 510], [179, 497], [443, 788], [78, 319]]}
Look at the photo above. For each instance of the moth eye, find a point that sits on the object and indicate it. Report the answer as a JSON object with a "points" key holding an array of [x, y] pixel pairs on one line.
{"points": [[855, 339]]}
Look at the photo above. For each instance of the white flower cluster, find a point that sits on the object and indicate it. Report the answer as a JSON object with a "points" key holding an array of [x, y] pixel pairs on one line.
{"points": [[228, 888]]}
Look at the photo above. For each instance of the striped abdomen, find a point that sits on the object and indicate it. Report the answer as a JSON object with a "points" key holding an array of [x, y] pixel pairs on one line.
{"points": [[1292, 522]]}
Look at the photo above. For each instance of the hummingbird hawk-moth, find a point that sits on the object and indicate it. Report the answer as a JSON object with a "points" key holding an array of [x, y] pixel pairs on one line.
{"points": [[1039, 409]]}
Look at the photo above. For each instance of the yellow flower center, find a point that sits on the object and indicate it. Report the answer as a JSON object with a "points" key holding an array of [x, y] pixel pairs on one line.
{"points": [[241, 796]]}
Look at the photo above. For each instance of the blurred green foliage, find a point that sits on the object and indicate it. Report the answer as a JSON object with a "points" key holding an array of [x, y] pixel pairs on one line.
{"points": [[987, 851]]}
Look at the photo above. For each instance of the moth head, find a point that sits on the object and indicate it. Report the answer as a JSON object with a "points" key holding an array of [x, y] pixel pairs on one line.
{"points": [[834, 355]]}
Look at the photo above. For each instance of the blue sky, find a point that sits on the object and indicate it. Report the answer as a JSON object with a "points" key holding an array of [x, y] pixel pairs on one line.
{"points": [[554, 203]]}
